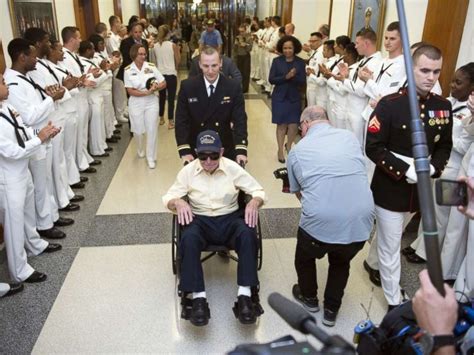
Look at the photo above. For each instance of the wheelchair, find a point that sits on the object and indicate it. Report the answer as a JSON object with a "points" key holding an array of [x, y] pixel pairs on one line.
{"points": [[212, 250]]}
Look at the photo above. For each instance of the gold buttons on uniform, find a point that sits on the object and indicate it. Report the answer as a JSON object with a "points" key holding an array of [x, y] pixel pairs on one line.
{"points": [[217, 124], [390, 167], [422, 106], [404, 127], [202, 124], [383, 162], [398, 173], [439, 127], [422, 115]]}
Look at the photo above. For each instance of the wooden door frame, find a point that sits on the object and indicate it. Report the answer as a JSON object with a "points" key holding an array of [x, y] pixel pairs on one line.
{"points": [[3, 64], [80, 17], [118, 9]]}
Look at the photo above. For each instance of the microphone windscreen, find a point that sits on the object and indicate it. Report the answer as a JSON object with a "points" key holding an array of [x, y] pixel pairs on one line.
{"points": [[292, 313]]}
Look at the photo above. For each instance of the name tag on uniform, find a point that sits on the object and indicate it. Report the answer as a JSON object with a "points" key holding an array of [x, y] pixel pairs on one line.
{"points": [[225, 100], [133, 74], [192, 99], [394, 84]]}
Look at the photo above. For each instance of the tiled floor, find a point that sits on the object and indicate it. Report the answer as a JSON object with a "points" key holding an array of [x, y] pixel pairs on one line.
{"points": [[111, 290]]}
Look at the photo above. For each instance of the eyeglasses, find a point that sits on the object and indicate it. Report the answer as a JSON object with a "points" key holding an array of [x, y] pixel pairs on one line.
{"points": [[204, 156]]}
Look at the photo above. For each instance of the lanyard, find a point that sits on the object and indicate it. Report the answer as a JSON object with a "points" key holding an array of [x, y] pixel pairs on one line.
{"points": [[36, 86], [12, 120]]}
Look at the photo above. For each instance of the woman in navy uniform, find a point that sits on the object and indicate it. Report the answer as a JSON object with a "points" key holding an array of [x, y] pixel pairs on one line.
{"points": [[288, 74], [142, 79]]}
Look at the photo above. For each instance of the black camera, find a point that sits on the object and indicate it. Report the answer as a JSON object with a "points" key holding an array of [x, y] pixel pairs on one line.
{"points": [[282, 174]]}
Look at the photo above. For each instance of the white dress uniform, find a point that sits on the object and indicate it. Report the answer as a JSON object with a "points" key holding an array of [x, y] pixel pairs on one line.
{"points": [[4, 288], [339, 100], [72, 63], [333, 106], [255, 55], [106, 87], [34, 107], [267, 32], [96, 105], [58, 183], [143, 110], [70, 126], [320, 81], [463, 136], [119, 94], [357, 99], [313, 63], [270, 45], [17, 200]]}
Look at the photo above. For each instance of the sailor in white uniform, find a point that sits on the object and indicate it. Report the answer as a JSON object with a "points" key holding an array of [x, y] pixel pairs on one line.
{"points": [[142, 81]]}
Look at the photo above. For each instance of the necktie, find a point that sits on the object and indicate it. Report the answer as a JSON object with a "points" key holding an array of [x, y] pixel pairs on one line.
{"points": [[211, 89]]}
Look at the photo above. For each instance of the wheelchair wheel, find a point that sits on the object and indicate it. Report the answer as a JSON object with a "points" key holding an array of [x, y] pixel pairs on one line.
{"points": [[174, 245], [260, 246]]}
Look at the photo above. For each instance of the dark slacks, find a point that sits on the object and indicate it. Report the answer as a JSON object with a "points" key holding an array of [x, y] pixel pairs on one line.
{"points": [[170, 92], [308, 250], [229, 230], [243, 63]]}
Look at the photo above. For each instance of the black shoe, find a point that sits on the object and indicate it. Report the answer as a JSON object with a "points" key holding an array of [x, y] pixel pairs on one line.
{"points": [[374, 275], [246, 311], [78, 185], [415, 259], [14, 288], [63, 222], [52, 247], [70, 208], [118, 125], [76, 198], [89, 170], [105, 155], [95, 162], [117, 131], [111, 140], [281, 161], [200, 312], [84, 179], [408, 250], [116, 137], [52, 233], [35, 277], [310, 304], [329, 319], [108, 149]]}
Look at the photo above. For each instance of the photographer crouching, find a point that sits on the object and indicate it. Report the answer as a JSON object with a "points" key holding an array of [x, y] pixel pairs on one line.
{"points": [[327, 172]]}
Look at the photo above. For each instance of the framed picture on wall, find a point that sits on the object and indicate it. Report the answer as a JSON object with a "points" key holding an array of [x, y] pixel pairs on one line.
{"points": [[33, 13], [367, 13]]}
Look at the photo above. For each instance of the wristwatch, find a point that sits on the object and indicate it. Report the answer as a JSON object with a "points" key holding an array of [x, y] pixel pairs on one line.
{"points": [[428, 343], [443, 340]]}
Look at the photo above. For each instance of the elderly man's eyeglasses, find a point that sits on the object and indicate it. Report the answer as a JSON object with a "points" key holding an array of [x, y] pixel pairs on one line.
{"points": [[204, 156]]}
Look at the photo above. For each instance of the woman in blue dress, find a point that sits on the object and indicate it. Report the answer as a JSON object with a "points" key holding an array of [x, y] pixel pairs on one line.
{"points": [[288, 75]]}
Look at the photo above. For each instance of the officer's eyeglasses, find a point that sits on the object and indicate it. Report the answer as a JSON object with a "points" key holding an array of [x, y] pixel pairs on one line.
{"points": [[204, 156]]}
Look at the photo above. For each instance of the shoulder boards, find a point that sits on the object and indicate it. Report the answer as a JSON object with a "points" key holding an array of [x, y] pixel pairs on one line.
{"points": [[128, 67], [151, 64]]}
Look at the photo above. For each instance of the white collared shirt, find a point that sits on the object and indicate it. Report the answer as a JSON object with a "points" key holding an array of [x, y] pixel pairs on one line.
{"points": [[208, 84]]}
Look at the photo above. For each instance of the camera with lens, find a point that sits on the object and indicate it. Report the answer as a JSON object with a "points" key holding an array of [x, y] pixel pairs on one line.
{"points": [[282, 174]]}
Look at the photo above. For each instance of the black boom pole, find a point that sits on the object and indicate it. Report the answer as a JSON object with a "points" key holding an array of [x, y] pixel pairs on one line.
{"points": [[422, 164]]}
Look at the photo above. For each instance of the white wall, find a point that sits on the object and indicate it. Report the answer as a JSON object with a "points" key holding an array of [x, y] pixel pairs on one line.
{"points": [[106, 9], [129, 8], [308, 15], [466, 50], [263, 9], [65, 14]]}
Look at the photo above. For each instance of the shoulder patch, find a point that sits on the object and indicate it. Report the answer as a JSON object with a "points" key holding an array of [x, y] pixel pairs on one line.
{"points": [[128, 67]]}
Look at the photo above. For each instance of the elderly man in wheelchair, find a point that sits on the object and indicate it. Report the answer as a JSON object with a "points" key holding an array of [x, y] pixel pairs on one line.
{"points": [[211, 184]]}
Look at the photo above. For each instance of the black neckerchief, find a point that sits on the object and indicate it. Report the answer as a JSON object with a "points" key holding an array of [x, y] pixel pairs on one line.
{"points": [[90, 61], [457, 109], [362, 64], [12, 120], [382, 71], [81, 66], [336, 63], [36, 86], [50, 70]]}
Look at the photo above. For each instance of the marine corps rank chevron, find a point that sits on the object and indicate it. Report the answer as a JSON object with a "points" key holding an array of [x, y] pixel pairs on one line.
{"points": [[374, 125]]}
